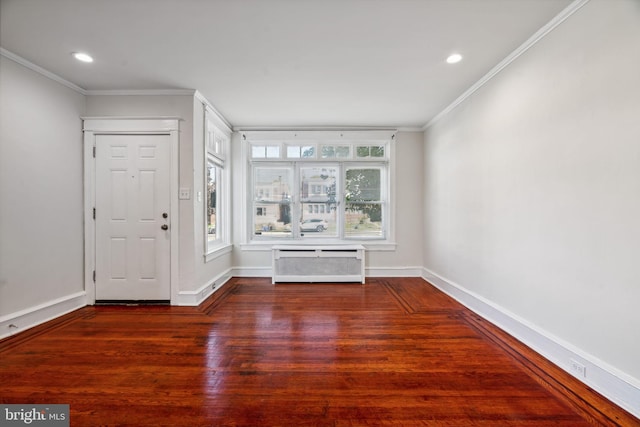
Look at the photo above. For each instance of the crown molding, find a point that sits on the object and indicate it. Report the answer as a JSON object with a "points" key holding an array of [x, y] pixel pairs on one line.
{"points": [[142, 92], [410, 129], [38, 69], [302, 135], [326, 128], [311, 128], [532, 41], [200, 97]]}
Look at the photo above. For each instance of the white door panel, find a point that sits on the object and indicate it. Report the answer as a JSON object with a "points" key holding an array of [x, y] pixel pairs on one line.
{"points": [[132, 200]]}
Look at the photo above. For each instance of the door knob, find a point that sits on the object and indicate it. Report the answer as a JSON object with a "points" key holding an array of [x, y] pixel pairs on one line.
{"points": [[164, 226], [165, 215]]}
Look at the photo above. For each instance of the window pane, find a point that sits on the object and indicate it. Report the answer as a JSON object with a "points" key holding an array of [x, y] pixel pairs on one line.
{"points": [[363, 220], [318, 184], [319, 204], [377, 151], [258, 152], [318, 220], [308, 152], [293, 152], [362, 151], [272, 201], [212, 203], [363, 208], [363, 185], [343, 152], [273, 152], [305, 152], [328, 151]]}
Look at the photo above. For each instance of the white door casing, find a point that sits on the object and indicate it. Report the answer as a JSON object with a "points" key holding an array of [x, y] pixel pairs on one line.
{"points": [[132, 217], [131, 183]]}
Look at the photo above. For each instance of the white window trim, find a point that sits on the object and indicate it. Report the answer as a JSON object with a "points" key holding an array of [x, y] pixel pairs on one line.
{"points": [[217, 145], [218, 251], [305, 137], [264, 246]]}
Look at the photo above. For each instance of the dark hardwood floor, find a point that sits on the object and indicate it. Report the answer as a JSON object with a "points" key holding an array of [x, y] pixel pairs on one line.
{"points": [[391, 352]]}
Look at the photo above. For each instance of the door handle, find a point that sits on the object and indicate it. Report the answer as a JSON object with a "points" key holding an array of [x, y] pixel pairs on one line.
{"points": [[164, 226]]}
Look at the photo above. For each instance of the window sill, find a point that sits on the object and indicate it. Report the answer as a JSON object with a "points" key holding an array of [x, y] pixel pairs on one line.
{"points": [[218, 252], [368, 245]]}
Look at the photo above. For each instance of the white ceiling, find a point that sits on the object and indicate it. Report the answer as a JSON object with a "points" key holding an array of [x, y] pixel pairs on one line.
{"points": [[280, 63]]}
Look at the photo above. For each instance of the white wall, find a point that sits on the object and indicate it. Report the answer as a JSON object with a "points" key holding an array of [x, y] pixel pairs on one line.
{"points": [[405, 259], [41, 192], [533, 189], [407, 193]]}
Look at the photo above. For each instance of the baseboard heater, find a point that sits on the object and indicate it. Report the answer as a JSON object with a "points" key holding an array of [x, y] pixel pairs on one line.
{"points": [[306, 263]]}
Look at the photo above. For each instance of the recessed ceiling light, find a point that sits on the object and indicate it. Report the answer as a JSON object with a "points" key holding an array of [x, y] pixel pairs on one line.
{"points": [[454, 58], [82, 57]]}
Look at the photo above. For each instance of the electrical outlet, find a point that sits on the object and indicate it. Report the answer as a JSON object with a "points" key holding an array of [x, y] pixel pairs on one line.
{"points": [[578, 369]]}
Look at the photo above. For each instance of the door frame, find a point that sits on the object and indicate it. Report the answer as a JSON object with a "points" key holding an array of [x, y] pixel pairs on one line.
{"points": [[93, 126]]}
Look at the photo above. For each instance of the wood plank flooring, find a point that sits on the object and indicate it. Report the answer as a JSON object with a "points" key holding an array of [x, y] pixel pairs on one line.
{"points": [[393, 352]]}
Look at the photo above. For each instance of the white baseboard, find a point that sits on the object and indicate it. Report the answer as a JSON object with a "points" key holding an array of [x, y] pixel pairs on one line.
{"points": [[393, 271], [20, 321], [618, 387], [195, 298], [251, 271]]}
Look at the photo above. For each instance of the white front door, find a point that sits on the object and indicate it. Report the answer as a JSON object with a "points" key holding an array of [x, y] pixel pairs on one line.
{"points": [[132, 217]]}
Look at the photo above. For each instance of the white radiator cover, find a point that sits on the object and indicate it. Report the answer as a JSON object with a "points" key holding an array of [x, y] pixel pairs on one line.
{"points": [[318, 263]]}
